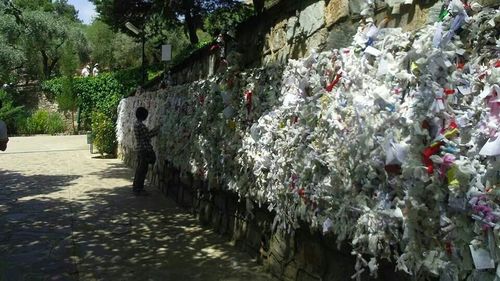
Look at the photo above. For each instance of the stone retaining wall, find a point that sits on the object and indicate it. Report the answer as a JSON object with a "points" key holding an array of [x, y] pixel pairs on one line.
{"points": [[305, 255], [291, 29]]}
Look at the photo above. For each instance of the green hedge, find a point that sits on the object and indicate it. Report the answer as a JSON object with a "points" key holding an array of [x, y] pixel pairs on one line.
{"points": [[101, 93], [98, 99]]}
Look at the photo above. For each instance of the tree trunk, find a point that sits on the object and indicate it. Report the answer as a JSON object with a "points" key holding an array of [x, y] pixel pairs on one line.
{"points": [[73, 121], [258, 6], [191, 26], [48, 67], [45, 62]]}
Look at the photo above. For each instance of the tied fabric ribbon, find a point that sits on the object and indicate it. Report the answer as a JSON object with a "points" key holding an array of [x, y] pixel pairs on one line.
{"points": [[453, 125], [493, 102], [335, 81], [450, 131], [448, 160], [448, 91], [426, 156], [248, 99], [214, 48], [486, 212], [438, 103]]}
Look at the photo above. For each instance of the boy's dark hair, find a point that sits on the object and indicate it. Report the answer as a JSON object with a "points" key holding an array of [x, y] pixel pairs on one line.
{"points": [[141, 113]]}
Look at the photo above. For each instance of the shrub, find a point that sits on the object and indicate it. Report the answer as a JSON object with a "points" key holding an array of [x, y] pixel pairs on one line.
{"points": [[55, 124], [43, 122], [103, 130], [10, 113]]}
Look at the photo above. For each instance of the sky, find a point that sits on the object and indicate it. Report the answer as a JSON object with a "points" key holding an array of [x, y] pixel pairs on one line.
{"points": [[86, 10]]}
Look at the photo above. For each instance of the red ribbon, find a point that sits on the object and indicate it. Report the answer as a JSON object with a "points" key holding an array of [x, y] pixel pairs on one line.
{"points": [[335, 81], [248, 97], [453, 125], [214, 47], [230, 83], [449, 91], [448, 246], [426, 156]]}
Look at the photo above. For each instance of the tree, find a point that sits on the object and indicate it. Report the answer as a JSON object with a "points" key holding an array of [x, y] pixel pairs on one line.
{"points": [[227, 18], [112, 50], [101, 39], [46, 35], [11, 54], [258, 6], [117, 13], [33, 36], [189, 13], [68, 98]]}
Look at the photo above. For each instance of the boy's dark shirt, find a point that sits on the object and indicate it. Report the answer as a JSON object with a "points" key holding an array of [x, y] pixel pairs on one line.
{"points": [[143, 136]]}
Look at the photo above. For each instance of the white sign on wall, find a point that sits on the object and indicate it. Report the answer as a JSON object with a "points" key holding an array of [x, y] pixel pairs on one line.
{"points": [[166, 52]]}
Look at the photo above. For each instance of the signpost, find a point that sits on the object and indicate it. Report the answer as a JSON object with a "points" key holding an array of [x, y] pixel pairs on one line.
{"points": [[166, 52]]}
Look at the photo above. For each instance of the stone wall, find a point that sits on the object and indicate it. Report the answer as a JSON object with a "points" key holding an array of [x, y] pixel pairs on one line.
{"points": [[291, 29], [305, 255], [284, 32]]}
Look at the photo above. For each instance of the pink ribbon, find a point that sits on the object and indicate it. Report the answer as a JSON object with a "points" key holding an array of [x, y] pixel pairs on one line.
{"points": [[448, 160]]}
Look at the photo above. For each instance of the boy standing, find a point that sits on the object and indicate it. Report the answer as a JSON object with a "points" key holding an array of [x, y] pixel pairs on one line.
{"points": [[145, 152]]}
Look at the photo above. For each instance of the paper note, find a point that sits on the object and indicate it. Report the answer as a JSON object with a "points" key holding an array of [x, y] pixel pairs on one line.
{"points": [[372, 51], [491, 147], [481, 258], [465, 90]]}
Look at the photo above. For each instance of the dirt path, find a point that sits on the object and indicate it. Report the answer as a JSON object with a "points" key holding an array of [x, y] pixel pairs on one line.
{"points": [[67, 216]]}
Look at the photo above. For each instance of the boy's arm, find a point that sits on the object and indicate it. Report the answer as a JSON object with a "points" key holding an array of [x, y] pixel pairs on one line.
{"points": [[153, 132]]}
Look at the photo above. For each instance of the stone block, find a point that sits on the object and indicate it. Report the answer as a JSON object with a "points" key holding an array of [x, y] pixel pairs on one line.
{"points": [[283, 55], [220, 201], [253, 238], [231, 221], [276, 38], [292, 28], [312, 18], [310, 255], [239, 230], [188, 197], [216, 219], [205, 212], [281, 246], [317, 41], [335, 11], [489, 3], [341, 35], [186, 179], [356, 6], [275, 266], [306, 276], [290, 272], [339, 267]]}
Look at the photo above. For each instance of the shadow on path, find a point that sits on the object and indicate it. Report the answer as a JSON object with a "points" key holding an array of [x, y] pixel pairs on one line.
{"points": [[91, 227], [123, 237], [34, 227], [115, 171]]}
